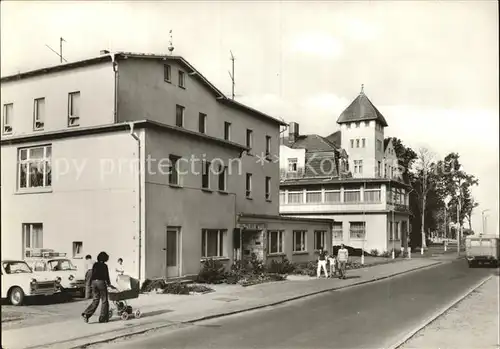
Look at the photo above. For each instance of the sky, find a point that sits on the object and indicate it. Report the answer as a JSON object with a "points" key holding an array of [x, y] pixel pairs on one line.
{"points": [[430, 67]]}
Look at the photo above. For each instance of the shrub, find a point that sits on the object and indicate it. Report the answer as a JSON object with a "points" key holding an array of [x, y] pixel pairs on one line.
{"points": [[257, 265], [385, 254], [308, 268], [200, 289], [176, 288], [212, 272], [374, 252], [152, 285], [281, 267]]}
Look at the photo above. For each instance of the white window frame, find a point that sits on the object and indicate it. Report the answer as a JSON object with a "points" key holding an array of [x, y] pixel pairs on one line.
{"points": [[336, 231], [267, 186], [358, 191], [27, 251], [282, 197], [222, 173], [248, 185], [227, 130], [303, 241], [357, 143], [205, 173], [322, 239], [338, 194], [77, 249], [73, 120], [182, 79], [174, 172], [360, 167], [354, 233], [45, 160], [38, 122], [291, 163], [280, 242], [308, 201], [221, 238], [363, 142], [352, 143], [7, 118], [167, 73], [249, 138], [183, 110], [298, 194], [372, 191], [202, 117]]}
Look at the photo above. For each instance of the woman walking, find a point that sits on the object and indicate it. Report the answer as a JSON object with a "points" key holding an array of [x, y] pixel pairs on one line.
{"points": [[100, 283]]}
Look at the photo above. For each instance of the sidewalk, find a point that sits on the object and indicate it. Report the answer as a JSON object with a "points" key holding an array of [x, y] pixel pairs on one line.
{"points": [[471, 324], [160, 310]]}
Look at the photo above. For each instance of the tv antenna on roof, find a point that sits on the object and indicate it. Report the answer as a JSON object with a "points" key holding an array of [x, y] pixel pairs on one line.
{"points": [[171, 46], [60, 54], [231, 74]]}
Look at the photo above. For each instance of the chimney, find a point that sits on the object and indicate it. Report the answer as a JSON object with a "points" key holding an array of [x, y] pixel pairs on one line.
{"points": [[293, 132], [104, 52]]}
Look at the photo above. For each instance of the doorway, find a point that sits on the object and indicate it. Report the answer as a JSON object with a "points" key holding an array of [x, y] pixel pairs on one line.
{"points": [[172, 252]]}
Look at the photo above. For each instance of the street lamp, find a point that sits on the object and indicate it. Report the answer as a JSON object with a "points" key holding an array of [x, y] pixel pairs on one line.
{"points": [[483, 219]]}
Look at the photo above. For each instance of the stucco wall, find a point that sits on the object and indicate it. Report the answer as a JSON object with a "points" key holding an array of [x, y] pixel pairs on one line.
{"points": [[143, 94], [287, 153], [96, 86], [188, 207], [90, 200], [369, 154]]}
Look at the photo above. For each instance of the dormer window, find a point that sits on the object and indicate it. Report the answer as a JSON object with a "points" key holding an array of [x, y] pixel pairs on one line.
{"points": [[8, 110], [292, 165], [39, 114]]}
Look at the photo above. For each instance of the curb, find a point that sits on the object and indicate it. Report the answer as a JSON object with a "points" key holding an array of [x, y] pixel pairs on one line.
{"points": [[209, 317], [439, 313]]}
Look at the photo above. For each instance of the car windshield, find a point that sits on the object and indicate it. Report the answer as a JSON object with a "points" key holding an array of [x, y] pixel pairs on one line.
{"points": [[16, 267], [61, 264]]}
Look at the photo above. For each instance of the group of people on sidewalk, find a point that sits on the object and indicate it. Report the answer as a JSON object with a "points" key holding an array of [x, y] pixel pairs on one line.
{"points": [[97, 281], [337, 262]]}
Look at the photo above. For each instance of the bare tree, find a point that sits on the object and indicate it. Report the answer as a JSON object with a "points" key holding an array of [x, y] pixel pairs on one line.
{"points": [[424, 171]]}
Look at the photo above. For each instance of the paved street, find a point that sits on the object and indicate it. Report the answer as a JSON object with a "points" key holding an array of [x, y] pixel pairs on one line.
{"points": [[369, 316]]}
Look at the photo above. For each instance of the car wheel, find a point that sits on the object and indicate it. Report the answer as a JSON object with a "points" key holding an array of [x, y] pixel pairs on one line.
{"points": [[16, 296]]}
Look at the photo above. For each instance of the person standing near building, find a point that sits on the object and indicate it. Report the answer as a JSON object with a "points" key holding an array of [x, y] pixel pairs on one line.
{"points": [[332, 260], [322, 262], [100, 283], [89, 263], [342, 257]]}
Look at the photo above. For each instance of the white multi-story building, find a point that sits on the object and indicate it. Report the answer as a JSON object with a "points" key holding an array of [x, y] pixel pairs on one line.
{"points": [[351, 176]]}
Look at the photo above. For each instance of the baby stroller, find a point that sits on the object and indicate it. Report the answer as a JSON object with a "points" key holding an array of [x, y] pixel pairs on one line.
{"points": [[128, 288]]}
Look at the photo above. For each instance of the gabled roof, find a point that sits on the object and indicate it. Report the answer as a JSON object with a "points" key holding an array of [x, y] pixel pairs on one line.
{"points": [[111, 57], [361, 109], [386, 143], [321, 164], [335, 138], [311, 143]]}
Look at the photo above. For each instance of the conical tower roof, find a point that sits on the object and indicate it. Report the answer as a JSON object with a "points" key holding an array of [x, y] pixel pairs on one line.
{"points": [[361, 109]]}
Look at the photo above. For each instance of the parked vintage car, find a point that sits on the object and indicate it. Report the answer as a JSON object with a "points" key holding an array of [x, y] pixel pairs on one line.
{"points": [[64, 270], [19, 281]]}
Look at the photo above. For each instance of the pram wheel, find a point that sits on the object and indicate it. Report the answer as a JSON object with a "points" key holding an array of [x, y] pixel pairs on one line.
{"points": [[110, 313], [128, 309], [137, 314], [124, 316]]}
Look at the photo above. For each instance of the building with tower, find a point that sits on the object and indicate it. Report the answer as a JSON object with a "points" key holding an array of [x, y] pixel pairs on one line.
{"points": [[351, 176]]}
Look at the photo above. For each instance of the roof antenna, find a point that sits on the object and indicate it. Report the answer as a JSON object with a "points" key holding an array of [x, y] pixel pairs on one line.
{"points": [[170, 47], [362, 89], [231, 74], [60, 54]]}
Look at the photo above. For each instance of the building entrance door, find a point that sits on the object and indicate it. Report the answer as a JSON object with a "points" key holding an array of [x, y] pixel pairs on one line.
{"points": [[172, 250]]}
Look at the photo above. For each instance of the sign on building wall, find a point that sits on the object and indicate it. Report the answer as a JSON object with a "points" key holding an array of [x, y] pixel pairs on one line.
{"points": [[253, 226]]}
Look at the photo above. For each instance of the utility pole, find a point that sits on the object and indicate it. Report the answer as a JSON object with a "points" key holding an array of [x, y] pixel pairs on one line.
{"points": [[231, 74], [483, 220], [458, 227]]}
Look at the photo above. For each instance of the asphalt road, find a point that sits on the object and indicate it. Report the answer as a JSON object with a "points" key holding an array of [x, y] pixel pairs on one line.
{"points": [[371, 316]]}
